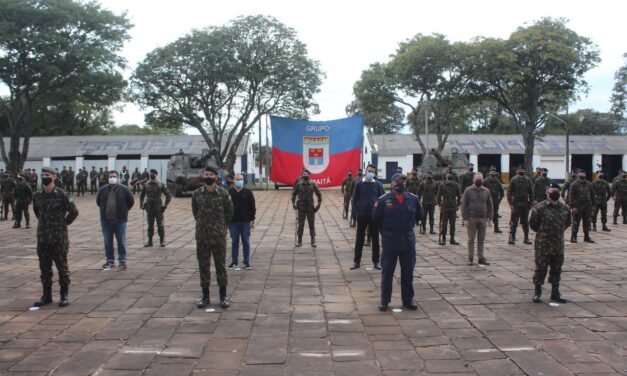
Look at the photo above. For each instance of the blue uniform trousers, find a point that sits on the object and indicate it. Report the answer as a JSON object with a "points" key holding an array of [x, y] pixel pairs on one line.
{"points": [[407, 260]]}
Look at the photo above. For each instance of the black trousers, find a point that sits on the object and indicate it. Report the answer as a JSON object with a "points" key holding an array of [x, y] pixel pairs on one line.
{"points": [[366, 223], [427, 209]]}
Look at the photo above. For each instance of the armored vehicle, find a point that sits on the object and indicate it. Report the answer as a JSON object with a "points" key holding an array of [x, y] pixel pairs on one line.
{"points": [[185, 170], [438, 164]]}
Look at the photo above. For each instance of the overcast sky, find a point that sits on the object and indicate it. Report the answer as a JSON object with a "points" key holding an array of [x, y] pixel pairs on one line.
{"points": [[347, 36]]}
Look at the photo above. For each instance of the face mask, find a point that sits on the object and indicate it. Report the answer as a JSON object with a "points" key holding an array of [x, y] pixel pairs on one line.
{"points": [[153, 177], [239, 184], [430, 177], [46, 181], [350, 175], [113, 181], [544, 174], [601, 176], [370, 176], [210, 181], [581, 177], [399, 188], [492, 175], [306, 178], [471, 169], [478, 183], [521, 173], [554, 196], [360, 174]]}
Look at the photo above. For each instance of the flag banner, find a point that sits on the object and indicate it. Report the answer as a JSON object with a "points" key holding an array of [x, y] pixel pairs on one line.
{"points": [[328, 149]]}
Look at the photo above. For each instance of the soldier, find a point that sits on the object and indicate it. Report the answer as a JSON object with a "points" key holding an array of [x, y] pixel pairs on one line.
{"points": [[55, 210], [125, 176], [23, 198], [300, 177], [619, 192], [467, 178], [539, 186], [549, 219], [353, 220], [449, 200], [82, 181], [135, 178], [567, 183], [413, 182], [302, 200], [70, 181], [213, 210], [154, 207], [449, 170], [580, 200], [537, 176], [34, 179], [347, 192], [7, 187], [497, 193], [93, 180], [602, 194], [63, 175], [427, 192], [519, 197], [103, 177], [144, 178]]}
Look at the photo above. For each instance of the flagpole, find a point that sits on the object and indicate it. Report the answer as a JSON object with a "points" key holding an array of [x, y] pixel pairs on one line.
{"points": [[267, 158]]}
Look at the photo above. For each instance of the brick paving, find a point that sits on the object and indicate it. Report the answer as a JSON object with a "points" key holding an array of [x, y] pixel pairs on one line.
{"points": [[303, 311]]}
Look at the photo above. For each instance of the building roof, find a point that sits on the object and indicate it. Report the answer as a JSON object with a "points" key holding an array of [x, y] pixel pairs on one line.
{"points": [[405, 144], [73, 146]]}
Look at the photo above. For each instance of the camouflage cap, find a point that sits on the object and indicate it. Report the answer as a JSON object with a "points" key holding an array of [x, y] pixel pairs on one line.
{"points": [[49, 170], [554, 185]]}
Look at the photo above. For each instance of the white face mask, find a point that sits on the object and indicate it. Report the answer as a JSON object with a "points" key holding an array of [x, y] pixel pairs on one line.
{"points": [[113, 181]]}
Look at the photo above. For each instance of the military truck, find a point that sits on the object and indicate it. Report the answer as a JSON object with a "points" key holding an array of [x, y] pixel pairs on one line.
{"points": [[438, 164], [185, 170]]}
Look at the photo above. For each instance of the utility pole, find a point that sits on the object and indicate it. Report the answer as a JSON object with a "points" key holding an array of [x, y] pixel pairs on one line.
{"points": [[260, 155]]}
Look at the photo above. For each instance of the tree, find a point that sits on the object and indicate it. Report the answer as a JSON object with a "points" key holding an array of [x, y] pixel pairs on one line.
{"points": [[619, 93], [426, 73], [136, 130], [55, 53], [222, 80], [585, 122], [537, 70], [487, 117]]}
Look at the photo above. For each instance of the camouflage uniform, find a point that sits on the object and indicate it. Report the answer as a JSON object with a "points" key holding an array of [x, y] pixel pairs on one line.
{"points": [[602, 194], [549, 221], [54, 210], [93, 181], [519, 197], [33, 183], [68, 181], [413, 182], [581, 198], [302, 199], [347, 190], [7, 187], [154, 208], [619, 191], [566, 188], [539, 188], [23, 198], [497, 193], [213, 211], [135, 180], [449, 200], [81, 180], [427, 192], [466, 180], [103, 178]]}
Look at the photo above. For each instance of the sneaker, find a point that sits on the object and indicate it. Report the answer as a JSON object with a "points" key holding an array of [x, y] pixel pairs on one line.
{"points": [[247, 266], [122, 266], [233, 265], [108, 265]]}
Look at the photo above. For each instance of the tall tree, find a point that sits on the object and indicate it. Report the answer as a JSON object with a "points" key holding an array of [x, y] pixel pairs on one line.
{"points": [[222, 80], [537, 70], [54, 52], [619, 93]]}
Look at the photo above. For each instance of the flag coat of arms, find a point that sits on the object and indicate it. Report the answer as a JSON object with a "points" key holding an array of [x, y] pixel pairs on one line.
{"points": [[328, 149]]}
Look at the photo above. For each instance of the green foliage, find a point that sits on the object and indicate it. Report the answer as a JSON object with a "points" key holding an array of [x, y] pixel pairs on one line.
{"points": [[135, 130], [619, 93], [585, 122], [56, 56], [221, 80]]}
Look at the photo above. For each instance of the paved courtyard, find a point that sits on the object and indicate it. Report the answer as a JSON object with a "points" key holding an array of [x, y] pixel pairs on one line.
{"points": [[303, 311]]}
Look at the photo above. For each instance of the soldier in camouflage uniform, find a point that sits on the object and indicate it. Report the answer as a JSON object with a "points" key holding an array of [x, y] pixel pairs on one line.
{"points": [[467, 179], [602, 194], [567, 183], [23, 198], [213, 210], [449, 200], [302, 200], [347, 192], [539, 186], [413, 182], [55, 210], [496, 193], [34, 178], [154, 207], [549, 219], [81, 180], [427, 192], [519, 197], [619, 192], [7, 187], [581, 202]]}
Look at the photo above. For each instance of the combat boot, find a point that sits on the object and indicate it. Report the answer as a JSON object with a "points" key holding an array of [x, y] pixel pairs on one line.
{"points": [[149, 242], [594, 226], [224, 300], [453, 241], [527, 241], [161, 241], [442, 239], [46, 298], [497, 230], [313, 241], [556, 296], [537, 294], [431, 231], [512, 238], [573, 237], [203, 301], [300, 241], [605, 228], [586, 237], [615, 220], [17, 224], [63, 299]]}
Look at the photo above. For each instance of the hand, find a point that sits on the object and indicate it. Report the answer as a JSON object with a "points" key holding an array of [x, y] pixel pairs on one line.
{"points": [[295, 208], [574, 210], [316, 209], [251, 225], [163, 209], [465, 222]]}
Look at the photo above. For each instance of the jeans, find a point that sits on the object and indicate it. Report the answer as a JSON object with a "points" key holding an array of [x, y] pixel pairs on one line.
{"points": [[237, 230], [115, 227]]}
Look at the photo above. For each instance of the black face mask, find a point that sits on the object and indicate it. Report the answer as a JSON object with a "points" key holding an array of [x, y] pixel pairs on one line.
{"points": [[46, 181], [554, 196], [305, 178], [210, 181], [521, 173], [153, 177], [478, 183], [471, 169], [601, 176], [582, 177]]}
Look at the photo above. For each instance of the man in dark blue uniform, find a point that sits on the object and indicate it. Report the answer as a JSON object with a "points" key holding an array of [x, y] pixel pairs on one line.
{"points": [[395, 215]]}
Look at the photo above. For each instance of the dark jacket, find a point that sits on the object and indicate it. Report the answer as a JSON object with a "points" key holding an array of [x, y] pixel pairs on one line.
{"points": [[124, 200], [396, 221], [244, 209], [365, 195]]}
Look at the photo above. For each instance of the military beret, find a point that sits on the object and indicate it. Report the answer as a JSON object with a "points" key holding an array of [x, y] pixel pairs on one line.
{"points": [[492, 168], [49, 170], [545, 170], [397, 177], [554, 185], [153, 171], [522, 167], [211, 169]]}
